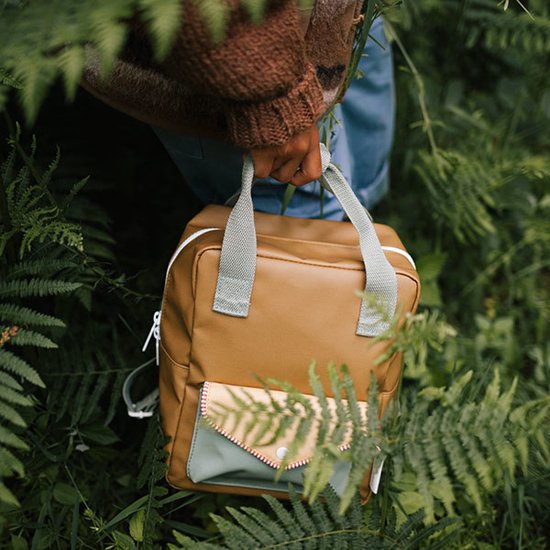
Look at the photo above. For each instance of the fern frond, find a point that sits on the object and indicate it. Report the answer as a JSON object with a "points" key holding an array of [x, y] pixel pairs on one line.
{"points": [[9, 439], [7, 80], [11, 415], [503, 30], [10, 464], [36, 74], [72, 61], [255, 9], [284, 518], [34, 212], [110, 34], [36, 287], [478, 444], [273, 529], [9, 381], [422, 335], [215, 16], [256, 525], [447, 439], [461, 192], [25, 337], [39, 227], [39, 267], [321, 526], [77, 389], [163, 18], [17, 398], [7, 496], [19, 315], [19, 367]]}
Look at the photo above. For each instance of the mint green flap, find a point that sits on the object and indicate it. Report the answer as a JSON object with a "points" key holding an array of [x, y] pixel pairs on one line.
{"points": [[215, 459]]}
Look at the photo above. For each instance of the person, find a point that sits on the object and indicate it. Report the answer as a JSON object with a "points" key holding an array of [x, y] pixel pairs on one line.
{"points": [[264, 90]]}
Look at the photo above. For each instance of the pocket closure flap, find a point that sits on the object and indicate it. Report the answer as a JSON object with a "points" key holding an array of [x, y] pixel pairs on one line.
{"points": [[218, 399]]}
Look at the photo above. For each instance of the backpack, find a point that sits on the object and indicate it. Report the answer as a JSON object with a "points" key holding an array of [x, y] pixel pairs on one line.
{"points": [[250, 295]]}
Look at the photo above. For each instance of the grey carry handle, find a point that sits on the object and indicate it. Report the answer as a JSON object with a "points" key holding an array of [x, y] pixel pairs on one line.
{"points": [[238, 254]]}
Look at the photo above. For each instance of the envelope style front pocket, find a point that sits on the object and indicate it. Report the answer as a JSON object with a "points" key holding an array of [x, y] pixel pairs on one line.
{"points": [[225, 454]]}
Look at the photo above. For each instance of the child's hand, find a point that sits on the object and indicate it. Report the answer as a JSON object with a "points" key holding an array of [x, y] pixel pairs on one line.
{"points": [[297, 162]]}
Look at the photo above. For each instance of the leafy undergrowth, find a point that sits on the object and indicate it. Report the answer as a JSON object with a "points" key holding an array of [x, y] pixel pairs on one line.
{"points": [[81, 269]]}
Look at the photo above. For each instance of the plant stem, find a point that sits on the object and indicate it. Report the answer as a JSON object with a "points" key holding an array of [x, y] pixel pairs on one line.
{"points": [[4, 210], [428, 126]]}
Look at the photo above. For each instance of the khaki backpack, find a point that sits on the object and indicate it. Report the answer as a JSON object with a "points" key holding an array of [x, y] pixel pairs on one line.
{"points": [[250, 295]]}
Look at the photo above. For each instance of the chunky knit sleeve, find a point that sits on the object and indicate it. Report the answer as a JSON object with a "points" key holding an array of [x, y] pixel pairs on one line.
{"points": [[269, 89]]}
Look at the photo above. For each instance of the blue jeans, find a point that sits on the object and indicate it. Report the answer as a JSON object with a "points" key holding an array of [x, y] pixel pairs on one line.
{"points": [[360, 145]]}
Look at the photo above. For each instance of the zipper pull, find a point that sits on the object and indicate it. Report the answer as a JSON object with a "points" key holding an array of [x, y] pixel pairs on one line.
{"points": [[155, 331], [157, 344]]}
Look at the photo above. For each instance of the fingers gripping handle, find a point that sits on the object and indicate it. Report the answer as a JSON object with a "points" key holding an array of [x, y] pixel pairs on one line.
{"points": [[238, 255]]}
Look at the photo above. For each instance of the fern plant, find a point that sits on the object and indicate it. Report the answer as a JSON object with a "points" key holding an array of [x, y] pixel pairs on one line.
{"points": [[502, 29], [29, 209], [30, 215], [452, 441], [33, 55], [484, 109], [320, 525]]}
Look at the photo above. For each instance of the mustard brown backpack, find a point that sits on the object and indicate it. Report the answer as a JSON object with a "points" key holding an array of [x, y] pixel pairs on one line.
{"points": [[250, 295]]}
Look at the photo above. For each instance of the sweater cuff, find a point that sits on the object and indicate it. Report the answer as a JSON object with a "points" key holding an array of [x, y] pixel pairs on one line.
{"points": [[274, 122]]}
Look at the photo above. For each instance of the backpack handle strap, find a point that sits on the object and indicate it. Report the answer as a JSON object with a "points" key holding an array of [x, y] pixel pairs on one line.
{"points": [[238, 255]]}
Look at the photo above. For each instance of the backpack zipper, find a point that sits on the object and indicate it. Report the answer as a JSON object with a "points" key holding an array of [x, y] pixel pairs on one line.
{"points": [[155, 327]]}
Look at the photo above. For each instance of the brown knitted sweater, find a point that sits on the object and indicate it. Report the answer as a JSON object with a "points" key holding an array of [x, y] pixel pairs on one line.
{"points": [[264, 83]]}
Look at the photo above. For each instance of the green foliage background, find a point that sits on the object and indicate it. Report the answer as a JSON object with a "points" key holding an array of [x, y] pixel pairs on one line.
{"points": [[86, 234]]}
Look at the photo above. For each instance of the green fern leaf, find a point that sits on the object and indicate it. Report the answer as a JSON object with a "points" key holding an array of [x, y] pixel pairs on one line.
{"points": [[15, 397], [439, 470], [273, 530], [18, 366], [255, 9], [215, 15], [72, 62], [164, 19], [19, 315], [75, 189], [9, 381], [322, 522], [9, 463], [257, 525], [235, 537], [25, 337], [7, 80], [321, 527], [9, 439], [306, 523], [109, 33], [36, 74], [284, 517], [462, 191], [39, 267], [77, 388], [40, 229], [36, 287], [11, 415], [7, 496]]}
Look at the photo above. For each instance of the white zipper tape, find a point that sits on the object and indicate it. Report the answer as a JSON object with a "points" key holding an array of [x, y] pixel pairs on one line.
{"points": [[402, 252], [185, 243], [155, 327]]}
